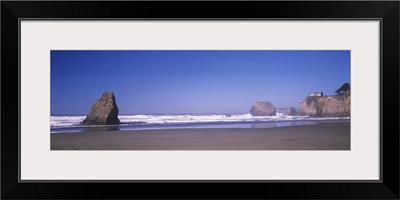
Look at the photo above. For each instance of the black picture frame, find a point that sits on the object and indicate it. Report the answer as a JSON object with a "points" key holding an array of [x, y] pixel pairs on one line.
{"points": [[386, 11]]}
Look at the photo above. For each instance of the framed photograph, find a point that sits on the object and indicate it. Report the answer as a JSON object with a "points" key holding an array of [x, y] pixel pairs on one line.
{"points": [[219, 96]]}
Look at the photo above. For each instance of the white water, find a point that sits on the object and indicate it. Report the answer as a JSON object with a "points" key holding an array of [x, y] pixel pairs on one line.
{"points": [[73, 121]]}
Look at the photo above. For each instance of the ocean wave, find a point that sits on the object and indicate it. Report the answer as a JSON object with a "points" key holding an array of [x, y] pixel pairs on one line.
{"points": [[73, 121], [65, 121]]}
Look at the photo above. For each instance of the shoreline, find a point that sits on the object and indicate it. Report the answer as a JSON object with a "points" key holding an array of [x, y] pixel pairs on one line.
{"points": [[322, 136], [194, 125]]}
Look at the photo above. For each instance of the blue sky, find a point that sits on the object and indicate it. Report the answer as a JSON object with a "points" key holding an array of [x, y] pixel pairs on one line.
{"points": [[170, 81]]}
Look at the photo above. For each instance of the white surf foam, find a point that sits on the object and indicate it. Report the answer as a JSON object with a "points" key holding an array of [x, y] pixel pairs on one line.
{"points": [[68, 121]]}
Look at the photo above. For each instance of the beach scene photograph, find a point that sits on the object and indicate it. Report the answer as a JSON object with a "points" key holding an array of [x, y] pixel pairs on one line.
{"points": [[200, 100]]}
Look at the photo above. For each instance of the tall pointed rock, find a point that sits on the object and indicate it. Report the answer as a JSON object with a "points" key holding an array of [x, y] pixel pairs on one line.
{"points": [[103, 112]]}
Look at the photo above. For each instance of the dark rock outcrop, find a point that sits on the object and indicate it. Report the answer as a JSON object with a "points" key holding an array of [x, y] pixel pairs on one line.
{"points": [[263, 109], [326, 106], [103, 112], [343, 89]]}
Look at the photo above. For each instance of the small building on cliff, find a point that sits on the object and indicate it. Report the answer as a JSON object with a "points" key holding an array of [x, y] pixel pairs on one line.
{"points": [[316, 94]]}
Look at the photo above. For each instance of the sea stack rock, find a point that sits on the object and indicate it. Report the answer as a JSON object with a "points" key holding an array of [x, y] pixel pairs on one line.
{"points": [[103, 112], [263, 109]]}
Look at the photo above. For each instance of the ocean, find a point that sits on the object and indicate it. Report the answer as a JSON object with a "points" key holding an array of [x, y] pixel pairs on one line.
{"points": [[66, 124]]}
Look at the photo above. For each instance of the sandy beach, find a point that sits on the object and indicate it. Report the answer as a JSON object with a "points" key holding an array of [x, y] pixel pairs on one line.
{"points": [[323, 136]]}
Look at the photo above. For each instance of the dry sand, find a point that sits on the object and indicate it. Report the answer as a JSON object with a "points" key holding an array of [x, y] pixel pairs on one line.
{"points": [[324, 136]]}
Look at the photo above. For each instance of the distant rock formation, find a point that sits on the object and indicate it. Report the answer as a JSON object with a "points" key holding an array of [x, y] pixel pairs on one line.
{"points": [[103, 112], [291, 111], [287, 111], [263, 109], [326, 106]]}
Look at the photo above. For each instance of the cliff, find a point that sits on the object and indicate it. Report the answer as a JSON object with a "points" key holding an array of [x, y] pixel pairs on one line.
{"points": [[326, 106]]}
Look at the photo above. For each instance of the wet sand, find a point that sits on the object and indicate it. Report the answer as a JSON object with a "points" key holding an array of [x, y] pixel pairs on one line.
{"points": [[324, 136]]}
